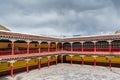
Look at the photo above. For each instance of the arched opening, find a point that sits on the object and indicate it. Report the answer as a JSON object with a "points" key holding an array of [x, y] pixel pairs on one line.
{"points": [[115, 46], [20, 47], [88, 46], [67, 46], [102, 46], [33, 47], [52, 46], [6, 47], [77, 46], [44, 47]]}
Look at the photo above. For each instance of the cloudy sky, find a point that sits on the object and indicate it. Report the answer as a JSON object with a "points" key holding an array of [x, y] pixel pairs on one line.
{"points": [[61, 17]]}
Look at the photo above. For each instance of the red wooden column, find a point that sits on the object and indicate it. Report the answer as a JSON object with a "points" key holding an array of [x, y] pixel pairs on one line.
{"points": [[71, 58], [27, 66], [56, 46], [28, 46], [11, 67], [110, 63], [71, 43], [48, 61], [56, 59], [61, 58], [12, 47], [39, 63], [82, 42], [94, 60], [49, 46], [39, 48], [82, 57]]}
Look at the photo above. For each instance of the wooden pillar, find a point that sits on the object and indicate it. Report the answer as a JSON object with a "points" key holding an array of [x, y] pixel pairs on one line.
{"points": [[71, 43], [94, 60], [82, 57], [56, 59], [39, 48], [62, 46], [94, 45], [109, 44], [48, 61], [39, 63], [12, 47], [71, 59], [11, 67], [110, 61], [49, 46], [82, 42], [56, 46], [61, 58], [27, 66], [28, 46]]}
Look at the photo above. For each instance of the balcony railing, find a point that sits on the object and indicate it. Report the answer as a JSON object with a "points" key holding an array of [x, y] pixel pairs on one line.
{"points": [[54, 50]]}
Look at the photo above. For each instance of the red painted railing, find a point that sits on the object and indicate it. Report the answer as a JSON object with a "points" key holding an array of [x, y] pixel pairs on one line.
{"points": [[77, 49], [33, 51], [20, 52], [54, 50], [44, 50], [102, 49], [115, 50], [5, 52], [88, 49]]}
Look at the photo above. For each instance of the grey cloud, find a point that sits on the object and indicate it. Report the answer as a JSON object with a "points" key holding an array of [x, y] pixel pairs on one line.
{"points": [[85, 17]]}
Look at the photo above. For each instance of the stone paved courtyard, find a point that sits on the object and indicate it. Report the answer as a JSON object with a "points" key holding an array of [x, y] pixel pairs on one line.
{"points": [[69, 72]]}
